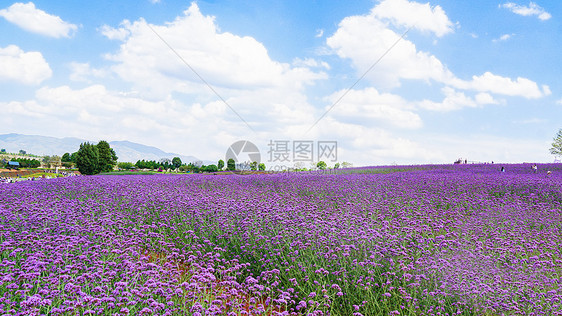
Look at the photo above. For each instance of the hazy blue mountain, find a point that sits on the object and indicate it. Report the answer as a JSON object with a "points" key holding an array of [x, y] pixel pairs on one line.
{"points": [[45, 145]]}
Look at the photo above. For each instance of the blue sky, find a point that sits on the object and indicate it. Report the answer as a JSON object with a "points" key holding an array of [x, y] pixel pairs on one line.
{"points": [[473, 79]]}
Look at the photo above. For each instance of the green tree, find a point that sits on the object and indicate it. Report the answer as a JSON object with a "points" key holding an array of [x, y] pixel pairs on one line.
{"points": [[125, 165], [65, 157], [3, 150], [321, 165], [176, 162], [231, 165], [220, 165], [22, 152], [193, 167], [261, 166], [107, 159], [211, 168], [254, 166], [87, 159], [557, 144], [73, 157], [337, 165]]}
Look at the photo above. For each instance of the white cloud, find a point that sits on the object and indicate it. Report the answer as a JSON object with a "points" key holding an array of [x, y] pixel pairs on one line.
{"points": [[29, 18], [202, 129], [24, 67], [369, 144], [413, 14], [488, 82], [311, 63], [369, 107], [504, 37], [364, 39], [226, 61], [532, 9], [484, 148], [319, 33], [120, 33], [84, 72], [484, 98], [455, 100], [559, 102]]}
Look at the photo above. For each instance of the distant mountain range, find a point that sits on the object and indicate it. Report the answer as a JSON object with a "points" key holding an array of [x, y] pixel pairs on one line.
{"points": [[44, 145]]}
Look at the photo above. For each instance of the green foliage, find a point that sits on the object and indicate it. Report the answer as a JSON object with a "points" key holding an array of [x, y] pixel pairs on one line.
{"points": [[73, 157], [231, 165], [149, 164], [28, 163], [220, 164], [3, 151], [321, 165], [176, 162], [125, 165], [557, 144], [254, 166], [107, 158], [87, 159], [337, 165], [22, 152], [65, 158], [184, 168], [67, 165], [192, 167], [261, 166], [210, 168]]}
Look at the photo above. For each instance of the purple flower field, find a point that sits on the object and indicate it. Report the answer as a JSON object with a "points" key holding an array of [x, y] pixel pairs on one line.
{"points": [[424, 240]]}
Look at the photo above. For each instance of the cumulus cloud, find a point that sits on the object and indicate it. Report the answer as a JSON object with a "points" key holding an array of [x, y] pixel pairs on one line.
{"points": [[488, 82], [532, 9], [223, 59], [192, 128], [24, 67], [119, 33], [413, 14], [455, 100], [364, 39], [29, 18], [369, 107]]}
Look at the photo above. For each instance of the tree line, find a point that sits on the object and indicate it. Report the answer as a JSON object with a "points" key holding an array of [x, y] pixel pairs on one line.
{"points": [[24, 162]]}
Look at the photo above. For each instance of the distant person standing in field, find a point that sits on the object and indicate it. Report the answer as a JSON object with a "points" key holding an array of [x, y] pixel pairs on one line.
{"points": [[535, 169], [502, 169]]}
